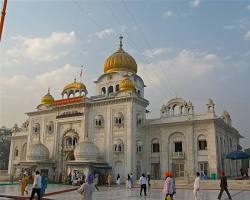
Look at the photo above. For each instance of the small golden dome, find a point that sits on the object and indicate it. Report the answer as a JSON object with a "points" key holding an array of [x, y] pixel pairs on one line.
{"points": [[126, 85], [120, 61], [47, 99], [75, 85]]}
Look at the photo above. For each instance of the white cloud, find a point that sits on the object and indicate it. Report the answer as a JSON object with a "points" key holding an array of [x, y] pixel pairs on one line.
{"points": [[247, 35], [186, 65], [168, 13], [38, 49], [195, 3], [229, 26], [248, 7], [20, 94], [155, 52], [104, 33]]}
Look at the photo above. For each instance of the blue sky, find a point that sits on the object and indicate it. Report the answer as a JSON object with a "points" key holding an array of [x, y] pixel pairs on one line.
{"points": [[193, 49]]}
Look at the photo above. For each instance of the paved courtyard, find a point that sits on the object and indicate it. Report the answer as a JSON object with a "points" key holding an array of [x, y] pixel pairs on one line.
{"points": [[121, 193]]}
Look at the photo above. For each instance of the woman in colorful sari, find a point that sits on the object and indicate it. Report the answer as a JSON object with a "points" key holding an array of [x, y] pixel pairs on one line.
{"points": [[24, 184]]}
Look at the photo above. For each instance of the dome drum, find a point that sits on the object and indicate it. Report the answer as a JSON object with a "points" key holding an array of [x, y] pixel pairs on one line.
{"points": [[86, 151], [126, 85], [74, 89], [38, 152]]}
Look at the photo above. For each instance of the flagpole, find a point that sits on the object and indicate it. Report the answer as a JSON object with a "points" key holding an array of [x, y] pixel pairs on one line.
{"points": [[81, 73]]}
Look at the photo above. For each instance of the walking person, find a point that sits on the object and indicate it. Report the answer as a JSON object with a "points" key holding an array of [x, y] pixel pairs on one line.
{"points": [[143, 184], [196, 185], [24, 184], [109, 180], [44, 183], [132, 180], [96, 182], [86, 190], [118, 179], [129, 184], [36, 189], [223, 186], [169, 187], [148, 180]]}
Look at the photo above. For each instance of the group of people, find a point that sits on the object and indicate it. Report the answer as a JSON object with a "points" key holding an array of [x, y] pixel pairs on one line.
{"points": [[223, 186], [39, 185], [169, 186], [244, 171], [90, 185]]}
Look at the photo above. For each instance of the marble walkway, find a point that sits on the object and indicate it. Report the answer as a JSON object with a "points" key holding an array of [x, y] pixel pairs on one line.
{"points": [[121, 193]]}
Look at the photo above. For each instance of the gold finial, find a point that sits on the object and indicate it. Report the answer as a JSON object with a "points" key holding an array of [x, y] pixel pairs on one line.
{"points": [[48, 90], [120, 41]]}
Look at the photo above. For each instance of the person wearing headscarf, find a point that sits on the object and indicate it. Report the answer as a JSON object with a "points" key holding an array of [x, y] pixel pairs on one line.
{"points": [[169, 186], [109, 180], [86, 190], [24, 184]]}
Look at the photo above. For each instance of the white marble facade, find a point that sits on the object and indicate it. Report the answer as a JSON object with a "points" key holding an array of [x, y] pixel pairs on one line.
{"points": [[111, 127]]}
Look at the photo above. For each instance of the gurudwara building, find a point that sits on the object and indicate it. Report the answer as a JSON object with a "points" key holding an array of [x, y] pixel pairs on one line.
{"points": [[109, 132]]}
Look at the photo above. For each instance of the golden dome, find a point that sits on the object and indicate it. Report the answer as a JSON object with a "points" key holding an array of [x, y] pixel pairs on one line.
{"points": [[126, 85], [75, 85], [47, 99], [120, 61]]}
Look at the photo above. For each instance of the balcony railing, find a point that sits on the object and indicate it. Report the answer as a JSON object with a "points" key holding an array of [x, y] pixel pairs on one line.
{"points": [[178, 155]]}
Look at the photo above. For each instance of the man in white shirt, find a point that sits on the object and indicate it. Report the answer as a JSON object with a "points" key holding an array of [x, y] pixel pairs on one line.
{"points": [[143, 184], [36, 189], [196, 185]]}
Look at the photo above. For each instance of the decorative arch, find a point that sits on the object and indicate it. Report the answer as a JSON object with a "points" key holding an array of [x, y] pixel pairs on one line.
{"points": [[24, 151], [103, 91], [16, 152], [110, 89], [117, 88], [118, 146], [176, 106], [177, 142], [202, 142], [139, 146], [70, 140], [155, 145]]}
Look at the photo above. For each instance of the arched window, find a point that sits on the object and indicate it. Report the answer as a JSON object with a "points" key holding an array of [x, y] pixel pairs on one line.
{"points": [[118, 146], [99, 121], [202, 143], [119, 119], [103, 91], [50, 127], [155, 146], [24, 151], [69, 142], [139, 92], [36, 128], [16, 152], [139, 147], [110, 90], [117, 88], [139, 120]]}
